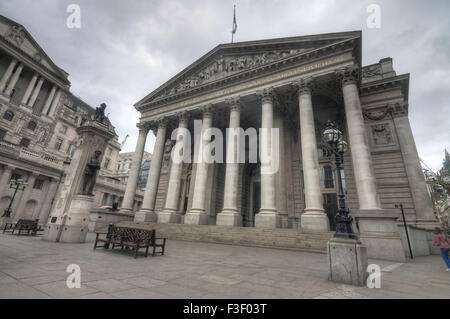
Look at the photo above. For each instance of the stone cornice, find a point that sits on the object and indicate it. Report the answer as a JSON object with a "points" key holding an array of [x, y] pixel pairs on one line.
{"points": [[304, 57], [400, 81]]}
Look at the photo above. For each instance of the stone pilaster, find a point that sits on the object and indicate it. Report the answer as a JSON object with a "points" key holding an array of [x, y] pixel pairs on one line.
{"points": [[7, 74], [313, 217], [25, 196], [268, 215], [230, 215], [197, 214], [417, 185], [280, 176], [147, 211], [360, 150], [170, 214], [130, 190]]}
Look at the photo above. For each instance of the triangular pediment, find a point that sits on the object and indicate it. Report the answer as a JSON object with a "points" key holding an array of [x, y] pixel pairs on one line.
{"points": [[16, 35], [228, 60]]}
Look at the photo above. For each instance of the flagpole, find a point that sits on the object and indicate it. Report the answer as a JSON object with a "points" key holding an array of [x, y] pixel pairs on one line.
{"points": [[232, 24]]}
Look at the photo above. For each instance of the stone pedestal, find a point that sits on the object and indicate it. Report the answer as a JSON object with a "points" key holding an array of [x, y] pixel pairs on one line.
{"points": [[378, 231], [196, 218], [347, 260], [76, 227], [171, 217], [314, 221], [267, 220], [229, 218], [145, 216], [69, 218]]}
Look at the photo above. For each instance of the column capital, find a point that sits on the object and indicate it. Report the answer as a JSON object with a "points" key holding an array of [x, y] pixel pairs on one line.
{"points": [[183, 117], [156, 123], [348, 75], [304, 86], [143, 127], [207, 109], [234, 103], [266, 95]]}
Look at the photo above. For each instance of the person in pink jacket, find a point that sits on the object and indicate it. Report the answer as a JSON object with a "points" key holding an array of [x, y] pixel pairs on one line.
{"points": [[442, 241]]}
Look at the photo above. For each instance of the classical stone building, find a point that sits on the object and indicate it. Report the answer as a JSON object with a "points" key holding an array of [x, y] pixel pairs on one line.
{"points": [[296, 85], [38, 120], [124, 161]]}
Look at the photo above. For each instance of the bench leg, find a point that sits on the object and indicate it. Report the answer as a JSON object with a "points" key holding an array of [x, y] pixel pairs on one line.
{"points": [[135, 251], [146, 251]]}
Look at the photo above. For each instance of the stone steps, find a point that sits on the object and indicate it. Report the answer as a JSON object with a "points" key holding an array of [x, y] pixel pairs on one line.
{"points": [[290, 239]]}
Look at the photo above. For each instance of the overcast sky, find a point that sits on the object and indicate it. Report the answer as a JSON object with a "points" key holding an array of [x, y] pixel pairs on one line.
{"points": [[126, 49]]}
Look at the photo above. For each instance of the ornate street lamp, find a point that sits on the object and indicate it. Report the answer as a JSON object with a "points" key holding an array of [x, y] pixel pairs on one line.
{"points": [[18, 184], [338, 147]]}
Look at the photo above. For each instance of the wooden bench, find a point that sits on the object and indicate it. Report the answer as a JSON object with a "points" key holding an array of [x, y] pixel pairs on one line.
{"points": [[127, 237], [23, 225]]}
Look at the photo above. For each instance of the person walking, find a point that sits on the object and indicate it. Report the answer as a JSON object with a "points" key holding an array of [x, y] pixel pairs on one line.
{"points": [[442, 241]]}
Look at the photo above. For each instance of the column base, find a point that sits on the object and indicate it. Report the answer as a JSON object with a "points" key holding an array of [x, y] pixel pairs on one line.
{"points": [[267, 219], [229, 218], [314, 220], [196, 217], [168, 217], [378, 231], [145, 216], [347, 261]]}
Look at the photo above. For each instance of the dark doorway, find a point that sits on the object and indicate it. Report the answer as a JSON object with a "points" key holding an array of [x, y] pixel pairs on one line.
{"points": [[330, 206], [256, 204]]}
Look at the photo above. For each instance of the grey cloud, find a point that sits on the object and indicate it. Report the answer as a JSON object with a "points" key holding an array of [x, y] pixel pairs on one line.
{"points": [[125, 49]]}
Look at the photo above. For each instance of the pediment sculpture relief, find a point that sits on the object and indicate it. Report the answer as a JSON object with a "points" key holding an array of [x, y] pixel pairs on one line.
{"points": [[15, 34], [228, 65]]}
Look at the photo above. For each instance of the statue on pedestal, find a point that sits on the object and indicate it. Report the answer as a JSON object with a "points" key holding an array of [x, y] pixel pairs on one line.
{"points": [[100, 113], [90, 174]]}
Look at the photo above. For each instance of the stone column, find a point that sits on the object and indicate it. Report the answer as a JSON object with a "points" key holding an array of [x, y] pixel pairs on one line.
{"points": [[197, 215], [268, 215], [49, 100], [30, 87], [46, 206], [421, 198], [25, 196], [4, 179], [14, 79], [147, 211], [280, 176], [230, 215], [55, 103], [170, 212], [313, 217], [130, 190], [7, 74], [36, 91], [360, 150]]}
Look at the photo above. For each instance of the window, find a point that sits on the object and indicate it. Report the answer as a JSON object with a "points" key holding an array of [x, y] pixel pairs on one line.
{"points": [[71, 150], [328, 176], [24, 142], [8, 115], [106, 163], [109, 152], [58, 144], [12, 93], [63, 129], [118, 166], [129, 166], [38, 184], [2, 134], [16, 176], [31, 125]]}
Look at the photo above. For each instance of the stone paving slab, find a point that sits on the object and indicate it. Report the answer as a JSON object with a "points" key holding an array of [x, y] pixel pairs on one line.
{"points": [[33, 268]]}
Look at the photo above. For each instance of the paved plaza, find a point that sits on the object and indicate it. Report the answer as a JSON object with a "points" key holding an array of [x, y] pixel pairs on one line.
{"points": [[33, 268]]}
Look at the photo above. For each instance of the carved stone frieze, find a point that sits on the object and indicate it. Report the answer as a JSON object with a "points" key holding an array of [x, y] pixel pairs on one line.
{"points": [[225, 66], [382, 134], [16, 35]]}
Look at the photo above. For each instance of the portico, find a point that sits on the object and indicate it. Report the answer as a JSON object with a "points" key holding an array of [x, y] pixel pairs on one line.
{"points": [[291, 86]]}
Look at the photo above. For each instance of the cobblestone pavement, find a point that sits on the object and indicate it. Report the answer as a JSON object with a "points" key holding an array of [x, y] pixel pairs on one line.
{"points": [[33, 268]]}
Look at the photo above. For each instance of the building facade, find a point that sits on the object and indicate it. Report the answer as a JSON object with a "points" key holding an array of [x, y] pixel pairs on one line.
{"points": [[295, 85], [38, 120]]}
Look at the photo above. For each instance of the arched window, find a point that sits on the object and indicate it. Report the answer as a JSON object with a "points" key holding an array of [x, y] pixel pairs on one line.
{"points": [[31, 125], [9, 115]]}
